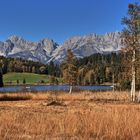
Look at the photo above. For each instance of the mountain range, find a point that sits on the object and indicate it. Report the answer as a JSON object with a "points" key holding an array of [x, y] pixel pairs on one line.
{"points": [[47, 50]]}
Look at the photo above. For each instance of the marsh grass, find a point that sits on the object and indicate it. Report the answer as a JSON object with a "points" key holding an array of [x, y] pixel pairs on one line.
{"points": [[86, 116]]}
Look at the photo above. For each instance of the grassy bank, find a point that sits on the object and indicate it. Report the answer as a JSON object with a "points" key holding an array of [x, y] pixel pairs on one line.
{"points": [[30, 78], [83, 116]]}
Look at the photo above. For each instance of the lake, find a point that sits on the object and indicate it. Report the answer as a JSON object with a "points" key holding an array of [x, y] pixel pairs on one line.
{"points": [[37, 88]]}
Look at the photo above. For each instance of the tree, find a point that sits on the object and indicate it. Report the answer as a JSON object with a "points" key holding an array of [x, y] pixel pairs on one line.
{"points": [[92, 79], [1, 75], [33, 69], [69, 70], [52, 80], [51, 68], [42, 70], [24, 81], [17, 82], [11, 67], [131, 41], [1, 79]]}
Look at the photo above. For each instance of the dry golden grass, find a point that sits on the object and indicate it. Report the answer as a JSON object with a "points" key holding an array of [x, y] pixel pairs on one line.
{"points": [[85, 116], [15, 97]]}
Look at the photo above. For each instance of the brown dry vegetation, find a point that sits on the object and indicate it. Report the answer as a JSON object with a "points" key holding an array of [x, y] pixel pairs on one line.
{"points": [[80, 116]]}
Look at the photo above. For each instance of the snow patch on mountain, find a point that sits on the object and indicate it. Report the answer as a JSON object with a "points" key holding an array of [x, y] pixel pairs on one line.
{"points": [[88, 45], [47, 50]]}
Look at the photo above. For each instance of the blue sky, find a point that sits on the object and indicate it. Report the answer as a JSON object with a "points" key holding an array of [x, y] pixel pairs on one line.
{"points": [[60, 19]]}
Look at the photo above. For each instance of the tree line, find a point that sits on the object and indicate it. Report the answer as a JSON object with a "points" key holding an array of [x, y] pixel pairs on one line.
{"points": [[20, 65], [99, 69]]}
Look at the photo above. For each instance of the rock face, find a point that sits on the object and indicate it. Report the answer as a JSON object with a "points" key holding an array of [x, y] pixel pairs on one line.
{"points": [[88, 45], [17, 47], [47, 50]]}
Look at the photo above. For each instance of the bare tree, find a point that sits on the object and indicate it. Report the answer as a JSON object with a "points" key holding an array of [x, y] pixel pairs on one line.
{"points": [[131, 41]]}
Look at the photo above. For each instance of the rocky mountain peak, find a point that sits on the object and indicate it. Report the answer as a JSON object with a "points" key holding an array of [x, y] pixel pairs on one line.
{"points": [[14, 38], [48, 44], [47, 50]]}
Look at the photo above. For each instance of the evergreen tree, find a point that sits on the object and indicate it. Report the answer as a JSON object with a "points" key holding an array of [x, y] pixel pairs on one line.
{"points": [[1, 80], [17, 82], [1, 75], [51, 69], [24, 81]]}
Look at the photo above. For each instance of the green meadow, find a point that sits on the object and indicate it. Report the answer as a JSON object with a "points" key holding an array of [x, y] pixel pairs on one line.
{"points": [[30, 78]]}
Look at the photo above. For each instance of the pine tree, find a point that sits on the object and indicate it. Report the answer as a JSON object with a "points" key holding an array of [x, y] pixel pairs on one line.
{"points": [[69, 70], [1, 80], [24, 81], [1, 75], [131, 41], [17, 82]]}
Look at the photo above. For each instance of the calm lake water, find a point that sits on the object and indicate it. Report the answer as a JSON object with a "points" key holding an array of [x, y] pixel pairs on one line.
{"points": [[37, 88]]}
